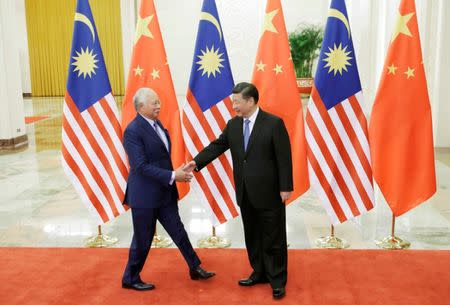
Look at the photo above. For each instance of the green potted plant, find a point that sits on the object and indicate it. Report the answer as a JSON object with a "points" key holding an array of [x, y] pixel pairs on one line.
{"points": [[305, 43]]}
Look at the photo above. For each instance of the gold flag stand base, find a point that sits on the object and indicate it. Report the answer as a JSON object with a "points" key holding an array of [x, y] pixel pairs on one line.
{"points": [[160, 242], [214, 241], [331, 242], [101, 240], [393, 242]]}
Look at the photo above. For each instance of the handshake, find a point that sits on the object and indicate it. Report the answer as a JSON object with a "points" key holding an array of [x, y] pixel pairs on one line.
{"points": [[184, 172]]}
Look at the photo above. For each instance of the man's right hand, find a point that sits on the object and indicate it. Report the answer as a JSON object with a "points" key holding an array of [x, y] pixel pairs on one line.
{"points": [[181, 175], [190, 166]]}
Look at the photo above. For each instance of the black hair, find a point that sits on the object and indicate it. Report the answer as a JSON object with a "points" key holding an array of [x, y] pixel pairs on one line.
{"points": [[247, 90]]}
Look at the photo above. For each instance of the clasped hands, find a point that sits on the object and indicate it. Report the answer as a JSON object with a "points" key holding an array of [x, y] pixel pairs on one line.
{"points": [[184, 172]]}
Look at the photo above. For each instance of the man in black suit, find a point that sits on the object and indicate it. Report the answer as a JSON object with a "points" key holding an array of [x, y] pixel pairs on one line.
{"points": [[152, 192], [262, 166]]}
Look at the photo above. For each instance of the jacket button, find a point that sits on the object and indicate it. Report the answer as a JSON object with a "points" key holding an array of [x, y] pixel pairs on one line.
{"points": [[245, 161]]}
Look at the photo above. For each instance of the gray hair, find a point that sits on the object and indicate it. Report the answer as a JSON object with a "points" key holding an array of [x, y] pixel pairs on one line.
{"points": [[139, 97]]}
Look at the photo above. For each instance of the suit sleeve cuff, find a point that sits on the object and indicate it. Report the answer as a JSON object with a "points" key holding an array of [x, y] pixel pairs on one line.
{"points": [[172, 178]]}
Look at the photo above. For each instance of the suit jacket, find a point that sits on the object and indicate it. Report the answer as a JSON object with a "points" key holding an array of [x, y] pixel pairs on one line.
{"points": [[265, 168], [150, 166]]}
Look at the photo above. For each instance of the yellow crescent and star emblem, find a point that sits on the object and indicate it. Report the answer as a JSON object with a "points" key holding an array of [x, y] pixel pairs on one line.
{"points": [[338, 58], [337, 14], [83, 19], [85, 60], [210, 61], [210, 18]]}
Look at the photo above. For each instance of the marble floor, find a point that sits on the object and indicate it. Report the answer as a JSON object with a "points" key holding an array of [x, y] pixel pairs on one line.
{"points": [[39, 207]]}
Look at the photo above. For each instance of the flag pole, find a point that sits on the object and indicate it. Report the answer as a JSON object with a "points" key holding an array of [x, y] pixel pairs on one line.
{"points": [[392, 242], [101, 240], [214, 241], [331, 242], [159, 241]]}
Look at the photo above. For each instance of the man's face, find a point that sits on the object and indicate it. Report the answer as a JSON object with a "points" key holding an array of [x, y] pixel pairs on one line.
{"points": [[151, 107], [243, 107]]}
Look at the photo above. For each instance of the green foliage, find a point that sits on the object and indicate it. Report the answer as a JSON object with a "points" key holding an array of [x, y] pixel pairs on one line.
{"points": [[305, 43]]}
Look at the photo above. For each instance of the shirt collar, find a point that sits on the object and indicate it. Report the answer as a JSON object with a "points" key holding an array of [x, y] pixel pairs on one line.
{"points": [[252, 118], [150, 121]]}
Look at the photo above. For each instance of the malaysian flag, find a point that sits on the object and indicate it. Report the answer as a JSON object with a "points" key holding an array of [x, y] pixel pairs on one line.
{"points": [[206, 112], [336, 128], [93, 156]]}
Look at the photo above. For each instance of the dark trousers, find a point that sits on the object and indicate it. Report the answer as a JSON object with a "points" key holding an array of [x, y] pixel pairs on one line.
{"points": [[265, 239], [144, 224]]}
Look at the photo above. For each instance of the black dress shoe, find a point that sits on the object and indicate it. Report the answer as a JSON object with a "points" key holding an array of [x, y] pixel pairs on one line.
{"points": [[138, 286], [200, 274], [279, 293], [251, 281]]}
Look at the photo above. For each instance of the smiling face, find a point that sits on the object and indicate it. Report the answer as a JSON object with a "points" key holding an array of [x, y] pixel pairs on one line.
{"points": [[151, 106], [243, 107]]}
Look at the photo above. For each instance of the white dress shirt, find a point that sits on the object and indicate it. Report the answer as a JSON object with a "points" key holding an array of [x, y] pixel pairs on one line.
{"points": [[252, 120]]}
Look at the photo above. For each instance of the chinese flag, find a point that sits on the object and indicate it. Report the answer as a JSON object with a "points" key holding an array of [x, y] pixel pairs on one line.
{"points": [[400, 131], [149, 68], [274, 76]]}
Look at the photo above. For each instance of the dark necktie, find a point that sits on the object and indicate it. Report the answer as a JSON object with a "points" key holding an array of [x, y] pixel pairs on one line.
{"points": [[161, 135]]}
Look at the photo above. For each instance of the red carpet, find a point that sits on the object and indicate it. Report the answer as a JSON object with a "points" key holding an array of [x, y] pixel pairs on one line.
{"points": [[62, 276], [33, 119]]}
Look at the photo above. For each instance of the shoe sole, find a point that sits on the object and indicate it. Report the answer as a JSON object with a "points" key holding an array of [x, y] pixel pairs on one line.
{"points": [[257, 283], [132, 288], [197, 278], [279, 297]]}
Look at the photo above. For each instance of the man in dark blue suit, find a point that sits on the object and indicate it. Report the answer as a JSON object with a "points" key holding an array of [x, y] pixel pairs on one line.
{"points": [[151, 191]]}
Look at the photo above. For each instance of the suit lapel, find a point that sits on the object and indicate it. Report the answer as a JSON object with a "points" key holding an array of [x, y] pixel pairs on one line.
{"points": [[166, 132], [151, 131], [255, 131], [240, 136]]}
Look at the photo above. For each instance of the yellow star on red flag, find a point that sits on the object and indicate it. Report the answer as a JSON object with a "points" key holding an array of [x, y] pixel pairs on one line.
{"points": [[401, 26], [400, 129], [142, 28], [392, 69], [409, 73], [138, 71], [268, 22], [278, 91], [149, 55]]}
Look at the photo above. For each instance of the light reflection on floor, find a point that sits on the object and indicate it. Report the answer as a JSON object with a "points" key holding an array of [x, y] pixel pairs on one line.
{"points": [[39, 207]]}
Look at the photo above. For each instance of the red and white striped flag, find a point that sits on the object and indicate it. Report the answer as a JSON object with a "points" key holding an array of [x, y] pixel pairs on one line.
{"points": [[336, 128], [205, 114], [93, 156]]}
